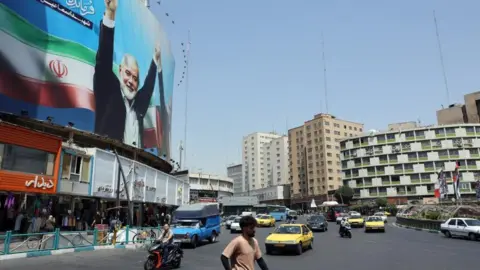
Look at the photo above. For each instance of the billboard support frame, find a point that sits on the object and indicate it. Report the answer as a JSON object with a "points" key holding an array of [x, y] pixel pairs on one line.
{"points": [[122, 174]]}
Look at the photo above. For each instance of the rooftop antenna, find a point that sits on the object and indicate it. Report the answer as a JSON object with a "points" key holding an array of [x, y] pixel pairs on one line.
{"points": [[324, 74], [286, 126], [445, 81]]}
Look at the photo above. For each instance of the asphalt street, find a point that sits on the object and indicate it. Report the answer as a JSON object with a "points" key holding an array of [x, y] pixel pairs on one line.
{"points": [[396, 249]]}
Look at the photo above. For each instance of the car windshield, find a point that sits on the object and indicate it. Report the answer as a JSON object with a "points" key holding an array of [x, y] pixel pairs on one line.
{"points": [[187, 224], [317, 218], [232, 218], [379, 214], [264, 217], [292, 213], [472, 222], [355, 217], [288, 230], [374, 219], [237, 219]]}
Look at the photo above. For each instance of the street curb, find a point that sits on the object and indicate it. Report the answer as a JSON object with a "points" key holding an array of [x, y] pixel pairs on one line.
{"points": [[416, 229], [40, 253]]}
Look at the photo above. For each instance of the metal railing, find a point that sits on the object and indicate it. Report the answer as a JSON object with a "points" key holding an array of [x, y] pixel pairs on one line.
{"points": [[12, 243]]}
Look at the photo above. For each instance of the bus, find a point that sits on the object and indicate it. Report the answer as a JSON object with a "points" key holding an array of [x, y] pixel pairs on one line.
{"points": [[333, 210], [278, 212]]}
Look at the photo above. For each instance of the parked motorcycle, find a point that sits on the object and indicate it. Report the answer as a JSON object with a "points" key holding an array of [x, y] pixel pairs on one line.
{"points": [[155, 261], [346, 231]]}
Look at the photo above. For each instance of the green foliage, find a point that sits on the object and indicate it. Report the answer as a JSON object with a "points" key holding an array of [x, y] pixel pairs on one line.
{"points": [[381, 202], [344, 194], [432, 215]]}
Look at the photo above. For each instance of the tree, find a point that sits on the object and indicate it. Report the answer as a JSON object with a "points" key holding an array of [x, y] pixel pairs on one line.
{"points": [[381, 202], [344, 194]]}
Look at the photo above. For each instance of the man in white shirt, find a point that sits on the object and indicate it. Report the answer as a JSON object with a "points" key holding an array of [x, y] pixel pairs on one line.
{"points": [[120, 104]]}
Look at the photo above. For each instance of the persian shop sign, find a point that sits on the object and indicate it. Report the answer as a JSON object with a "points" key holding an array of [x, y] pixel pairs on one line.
{"points": [[39, 182]]}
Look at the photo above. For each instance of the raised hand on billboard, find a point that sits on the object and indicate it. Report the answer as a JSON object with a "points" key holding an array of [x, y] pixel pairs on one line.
{"points": [[157, 56], [111, 8]]}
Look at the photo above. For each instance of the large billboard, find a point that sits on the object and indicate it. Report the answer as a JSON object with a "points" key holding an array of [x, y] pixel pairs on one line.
{"points": [[104, 66]]}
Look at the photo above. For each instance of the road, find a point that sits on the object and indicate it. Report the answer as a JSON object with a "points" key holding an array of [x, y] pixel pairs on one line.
{"points": [[397, 249]]}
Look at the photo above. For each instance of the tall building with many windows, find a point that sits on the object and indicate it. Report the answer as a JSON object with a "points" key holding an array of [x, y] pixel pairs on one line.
{"points": [[403, 164], [235, 173], [314, 154], [265, 160]]}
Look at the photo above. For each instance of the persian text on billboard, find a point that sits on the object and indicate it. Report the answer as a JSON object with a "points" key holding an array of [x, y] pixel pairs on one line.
{"points": [[103, 65]]}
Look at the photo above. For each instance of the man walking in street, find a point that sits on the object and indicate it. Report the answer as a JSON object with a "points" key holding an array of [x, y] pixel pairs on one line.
{"points": [[242, 252]]}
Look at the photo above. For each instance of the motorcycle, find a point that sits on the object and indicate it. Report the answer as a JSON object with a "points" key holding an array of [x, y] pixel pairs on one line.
{"points": [[346, 231], [155, 257]]}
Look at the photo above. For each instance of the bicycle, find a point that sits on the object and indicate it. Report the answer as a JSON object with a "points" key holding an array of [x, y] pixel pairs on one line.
{"points": [[142, 236]]}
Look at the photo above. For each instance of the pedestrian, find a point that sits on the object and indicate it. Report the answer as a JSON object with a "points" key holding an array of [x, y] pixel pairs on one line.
{"points": [[242, 252]]}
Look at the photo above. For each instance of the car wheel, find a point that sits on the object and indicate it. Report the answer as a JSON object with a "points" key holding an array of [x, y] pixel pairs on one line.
{"points": [[213, 238], [194, 242], [299, 249], [268, 250], [472, 236], [448, 234], [383, 230]]}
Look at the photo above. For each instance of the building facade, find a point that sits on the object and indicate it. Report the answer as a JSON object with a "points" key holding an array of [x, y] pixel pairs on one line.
{"points": [[270, 195], [403, 164], [235, 173], [276, 161], [256, 160], [206, 187], [461, 113], [314, 151]]}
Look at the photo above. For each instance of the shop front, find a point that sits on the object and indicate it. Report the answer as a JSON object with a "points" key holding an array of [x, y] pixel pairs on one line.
{"points": [[76, 207], [151, 191], [29, 165]]}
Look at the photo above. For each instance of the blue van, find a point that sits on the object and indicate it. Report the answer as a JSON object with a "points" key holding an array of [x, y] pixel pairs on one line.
{"points": [[195, 223]]}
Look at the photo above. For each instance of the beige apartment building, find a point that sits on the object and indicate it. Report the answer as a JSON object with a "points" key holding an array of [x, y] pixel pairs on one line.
{"points": [[314, 156], [461, 113]]}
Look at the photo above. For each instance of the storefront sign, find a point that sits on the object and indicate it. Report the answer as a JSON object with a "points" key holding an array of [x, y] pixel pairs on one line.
{"points": [[40, 183], [26, 176]]}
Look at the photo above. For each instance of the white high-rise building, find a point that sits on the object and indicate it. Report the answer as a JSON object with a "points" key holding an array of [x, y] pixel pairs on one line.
{"points": [[264, 160]]}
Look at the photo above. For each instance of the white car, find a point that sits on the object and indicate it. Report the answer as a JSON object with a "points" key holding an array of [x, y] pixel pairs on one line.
{"points": [[235, 226], [229, 221], [354, 214], [340, 217], [461, 227], [382, 215]]}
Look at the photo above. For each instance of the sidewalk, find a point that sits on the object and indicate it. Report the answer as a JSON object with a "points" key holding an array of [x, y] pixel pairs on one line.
{"points": [[417, 229]]}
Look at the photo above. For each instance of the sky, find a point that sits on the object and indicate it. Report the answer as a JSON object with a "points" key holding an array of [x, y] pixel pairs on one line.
{"points": [[256, 66]]}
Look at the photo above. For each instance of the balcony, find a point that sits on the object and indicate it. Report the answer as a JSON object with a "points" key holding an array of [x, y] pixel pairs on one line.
{"points": [[401, 192], [395, 182], [420, 137], [441, 135], [383, 161], [426, 180], [415, 181], [398, 171], [411, 192]]}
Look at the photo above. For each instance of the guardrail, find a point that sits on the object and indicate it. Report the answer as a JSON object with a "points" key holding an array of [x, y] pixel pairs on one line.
{"points": [[432, 225], [12, 243]]}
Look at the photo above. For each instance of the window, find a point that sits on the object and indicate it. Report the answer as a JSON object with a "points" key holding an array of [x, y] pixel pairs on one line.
{"points": [[27, 160], [76, 168]]}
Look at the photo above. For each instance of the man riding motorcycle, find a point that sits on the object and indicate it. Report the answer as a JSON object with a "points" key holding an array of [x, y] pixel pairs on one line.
{"points": [[166, 238], [344, 223]]}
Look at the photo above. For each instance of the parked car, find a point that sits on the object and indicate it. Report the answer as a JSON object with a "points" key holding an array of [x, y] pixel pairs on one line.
{"points": [[317, 223], [461, 227]]}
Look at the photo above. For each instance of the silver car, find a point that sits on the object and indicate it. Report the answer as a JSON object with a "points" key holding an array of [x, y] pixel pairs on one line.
{"points": [[461, 227], [228, 221]]}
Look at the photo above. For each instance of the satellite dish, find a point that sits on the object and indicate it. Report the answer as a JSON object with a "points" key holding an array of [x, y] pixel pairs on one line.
{"points": [[372, 132]]}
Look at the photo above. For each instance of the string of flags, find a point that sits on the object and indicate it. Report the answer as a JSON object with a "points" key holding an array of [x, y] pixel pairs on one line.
{"points": [[185, 47]]}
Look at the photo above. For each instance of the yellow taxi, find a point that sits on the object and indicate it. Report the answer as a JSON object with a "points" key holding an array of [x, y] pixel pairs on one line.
{"points": [[356, 221], [265, 221], [291, 237], [374, 223]]}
